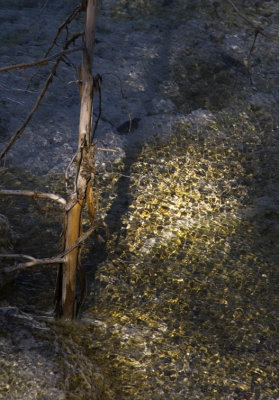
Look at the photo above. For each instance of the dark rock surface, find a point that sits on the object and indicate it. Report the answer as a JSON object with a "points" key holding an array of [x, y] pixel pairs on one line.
{"points": [[172, 63], [168, 61]]}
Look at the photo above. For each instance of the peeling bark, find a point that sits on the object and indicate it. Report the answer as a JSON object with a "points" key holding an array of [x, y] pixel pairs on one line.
{"points": [[66, 299]]}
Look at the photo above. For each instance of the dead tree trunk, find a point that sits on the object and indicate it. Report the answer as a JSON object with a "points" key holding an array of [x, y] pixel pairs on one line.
{"points": [[66, 301]]}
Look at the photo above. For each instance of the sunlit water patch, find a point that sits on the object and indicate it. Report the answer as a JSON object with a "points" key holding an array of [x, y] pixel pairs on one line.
{"points": [[183, 298], [186, 301]]}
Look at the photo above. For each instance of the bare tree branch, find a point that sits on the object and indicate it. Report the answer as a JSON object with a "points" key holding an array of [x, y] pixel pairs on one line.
{"points": [[33, 261], [17, 134], [44, 6], [258, 28], [74, 37], [42, 61], [80, 240], [249, 55], [69, 19], [29, 193], [97, 83], [101, 149], [59, 259]]}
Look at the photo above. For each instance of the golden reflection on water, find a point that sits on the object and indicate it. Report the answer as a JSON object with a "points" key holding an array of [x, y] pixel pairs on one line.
{"points": [[186, 304]]}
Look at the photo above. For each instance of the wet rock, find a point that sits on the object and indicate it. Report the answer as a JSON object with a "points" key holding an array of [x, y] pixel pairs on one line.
{"points": [[163, 105], [27, 355], [152, 74], [267, 204]]}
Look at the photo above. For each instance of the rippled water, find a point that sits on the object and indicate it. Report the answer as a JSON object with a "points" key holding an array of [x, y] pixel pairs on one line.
{"points": [[183, 303], [183, 293]]}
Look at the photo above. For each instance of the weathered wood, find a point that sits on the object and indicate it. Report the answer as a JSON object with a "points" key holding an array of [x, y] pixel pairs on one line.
{"points": [[34, 194], [66, 285]]}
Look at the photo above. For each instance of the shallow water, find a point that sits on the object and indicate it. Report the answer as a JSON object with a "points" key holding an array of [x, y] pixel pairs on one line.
{"points": [[183, 293], [184, 303]]}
